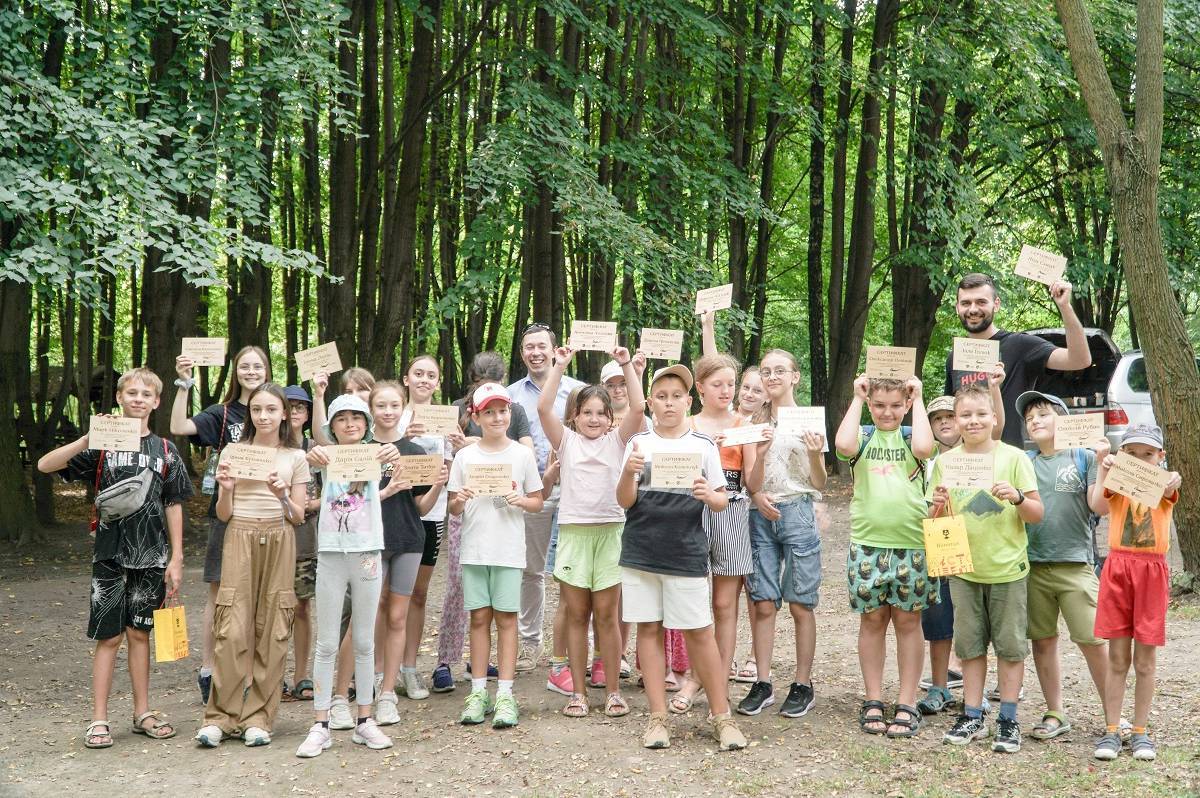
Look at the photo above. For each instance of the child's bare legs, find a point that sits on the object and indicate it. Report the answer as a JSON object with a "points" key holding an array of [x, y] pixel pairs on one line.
{"points": [[138, 641], [302, 638], [910, 652], [395, 640], [707, 666], [103, 664], [653, 662], [1096, 657], [872, 643], [939, 661], [481, 641], [1009, 673], [1045, 662], [725, 590], [974, 672], [1144, 665], [605, 606], [576, 604], [806, 641], [506, 646], [558, 646], [763, 623], [1119, 660], [416, 616]]}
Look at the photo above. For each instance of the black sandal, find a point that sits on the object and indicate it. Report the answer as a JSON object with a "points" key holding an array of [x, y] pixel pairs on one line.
{"points": [[911, 724], [863, 720]]}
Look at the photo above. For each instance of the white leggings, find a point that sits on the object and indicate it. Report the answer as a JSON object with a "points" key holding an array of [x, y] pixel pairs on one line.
{"points": [[360, 572]]}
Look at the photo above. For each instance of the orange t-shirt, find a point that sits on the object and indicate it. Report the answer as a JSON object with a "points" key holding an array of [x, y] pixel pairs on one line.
{"points": [[731, 460], [1132, 526]]}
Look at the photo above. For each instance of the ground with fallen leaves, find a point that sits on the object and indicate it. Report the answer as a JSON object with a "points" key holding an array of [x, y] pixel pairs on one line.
{"points": [[44, 707]]}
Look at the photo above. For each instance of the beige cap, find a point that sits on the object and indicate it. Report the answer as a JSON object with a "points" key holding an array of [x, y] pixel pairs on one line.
{"points": [[678, 370], [942, 403]]}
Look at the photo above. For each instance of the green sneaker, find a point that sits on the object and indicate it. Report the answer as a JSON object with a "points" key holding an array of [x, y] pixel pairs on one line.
{"points": [[506, 712], [478, 706]]}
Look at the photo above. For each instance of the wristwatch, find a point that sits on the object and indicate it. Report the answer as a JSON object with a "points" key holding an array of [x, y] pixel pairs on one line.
{"points": [[1020, 497], [185, 384]]}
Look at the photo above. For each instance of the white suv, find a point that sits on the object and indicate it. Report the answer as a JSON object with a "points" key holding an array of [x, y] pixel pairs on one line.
{"points": [[1128, 397]]}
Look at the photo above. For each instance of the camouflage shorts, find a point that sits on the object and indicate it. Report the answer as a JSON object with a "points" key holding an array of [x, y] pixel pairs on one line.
{"points": [[893, 577], [306, 578]]}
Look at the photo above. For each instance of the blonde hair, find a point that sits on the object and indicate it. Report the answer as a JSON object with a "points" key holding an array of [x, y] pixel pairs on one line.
{"points": [[974, 391], [883, 384], [143, 375], [711, 364], [359, 376], [387, 385]]}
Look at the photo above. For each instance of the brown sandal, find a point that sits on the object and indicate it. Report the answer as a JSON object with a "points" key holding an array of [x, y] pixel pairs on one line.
{"points": [[98, 739], [155, 728]]}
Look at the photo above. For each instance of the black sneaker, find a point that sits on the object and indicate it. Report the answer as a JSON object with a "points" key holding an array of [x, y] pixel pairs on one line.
{"points": [[205, 685], [762, 694], [965, 730], [798, 702], [1008, 736]]}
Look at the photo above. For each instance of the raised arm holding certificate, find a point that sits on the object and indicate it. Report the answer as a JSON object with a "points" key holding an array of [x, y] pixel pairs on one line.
{"points": [[354, 462], [718, 297], [115, 433], [249, 462], [1138, 480], [205, 351], [593, 336], [892, 362], [323, 358], [963, 470], [1040, 265], [674, 469]]}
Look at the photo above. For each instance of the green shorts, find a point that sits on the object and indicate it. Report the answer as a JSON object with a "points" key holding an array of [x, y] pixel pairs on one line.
{"points": [[306, 578], [995, 614], [890, 577], [495, 586], [1067, 587], [589, 556]]}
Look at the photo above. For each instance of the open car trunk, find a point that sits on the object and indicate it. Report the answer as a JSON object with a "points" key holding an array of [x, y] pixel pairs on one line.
{"points": [[1087, 388]]}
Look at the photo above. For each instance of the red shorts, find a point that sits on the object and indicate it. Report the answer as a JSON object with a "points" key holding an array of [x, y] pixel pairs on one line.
{"points": [[1133, 598]]}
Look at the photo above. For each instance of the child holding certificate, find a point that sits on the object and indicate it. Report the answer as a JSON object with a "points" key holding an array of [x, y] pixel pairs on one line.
{"points": [[989, 602], [493, 483]]}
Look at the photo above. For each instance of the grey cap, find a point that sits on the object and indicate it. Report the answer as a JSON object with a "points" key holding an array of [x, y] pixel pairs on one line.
{"points": [[1148, 434], [1024, 400]]}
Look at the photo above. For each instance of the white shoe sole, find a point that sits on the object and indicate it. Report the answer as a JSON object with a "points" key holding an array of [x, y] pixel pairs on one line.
{"points": [[357, 740], [306, 755], [811, 704], [769, 702], [556, 689], [1105, 756]]}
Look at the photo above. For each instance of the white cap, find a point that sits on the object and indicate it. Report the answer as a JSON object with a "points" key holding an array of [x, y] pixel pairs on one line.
{"points": [[487, 393], [611, 370]]}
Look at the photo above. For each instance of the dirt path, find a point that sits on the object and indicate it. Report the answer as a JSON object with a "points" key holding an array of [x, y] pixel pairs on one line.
{"points": [[44, 706]]}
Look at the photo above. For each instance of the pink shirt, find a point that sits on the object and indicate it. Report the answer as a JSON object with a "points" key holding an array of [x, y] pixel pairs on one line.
{"points": [[588, 475]]}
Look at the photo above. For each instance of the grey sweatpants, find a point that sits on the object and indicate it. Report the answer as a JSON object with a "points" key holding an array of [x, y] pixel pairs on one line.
{"points": [[359, 571]]}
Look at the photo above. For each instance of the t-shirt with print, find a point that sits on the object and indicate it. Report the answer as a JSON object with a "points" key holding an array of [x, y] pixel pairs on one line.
{"points": [[889, 502], [137, 540], [1024, 357], [217, 427], [1132, 526], [664, 533], [731, 463], [995, 531], [787, 472], [589, 470], [351, 516], [493, 531], [1065, 532], [435, 445], [403, 532]]}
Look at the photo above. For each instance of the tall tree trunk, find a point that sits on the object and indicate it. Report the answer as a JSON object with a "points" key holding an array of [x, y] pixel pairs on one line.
{"points": [[818, 366], [837, 199]]}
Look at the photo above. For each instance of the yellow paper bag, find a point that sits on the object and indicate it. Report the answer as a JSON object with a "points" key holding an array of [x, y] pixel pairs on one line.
{"points": [[947, 551], [170, 634]]}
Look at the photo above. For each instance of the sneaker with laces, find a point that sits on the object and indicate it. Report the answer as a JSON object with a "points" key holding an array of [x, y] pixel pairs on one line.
{"points": [[964, 730], [443, 679], [385, 710], [560, 681], [411, 685], [340, 717], [210, 736], [657, 735], [729, 736], [528, 656], [1142, 747], [1108, 747], [1008, 736], [505, 716], [596, 678], [799, 701], [253, 737], [761, 694], [367, 733], [478, 706], [319, 739]]}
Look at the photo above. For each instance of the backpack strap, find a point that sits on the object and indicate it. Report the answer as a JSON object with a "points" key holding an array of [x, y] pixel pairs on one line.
{"points": [[94, 522], [1081, 464], [867, 432]]}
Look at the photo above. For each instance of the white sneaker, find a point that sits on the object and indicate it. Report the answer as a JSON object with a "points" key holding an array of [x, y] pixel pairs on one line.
{"points": [[385, 710], [319, 739], [412, 686], [368, 734], [254, 737], [210, 736], [340, 716]]}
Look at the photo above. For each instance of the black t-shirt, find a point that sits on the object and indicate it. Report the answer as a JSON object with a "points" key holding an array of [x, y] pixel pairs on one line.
{"points": [[1024, 357], [209, 423], [403, 532], [518, 422], [135, 534]]}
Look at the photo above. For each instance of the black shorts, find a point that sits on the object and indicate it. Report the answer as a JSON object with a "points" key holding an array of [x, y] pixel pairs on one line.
{"points": [[212, 554], [433, 542], [123, 597]]}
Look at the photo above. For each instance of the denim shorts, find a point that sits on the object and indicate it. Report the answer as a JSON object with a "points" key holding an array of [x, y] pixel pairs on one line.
{"points": [[787, 555], [937, 620]]}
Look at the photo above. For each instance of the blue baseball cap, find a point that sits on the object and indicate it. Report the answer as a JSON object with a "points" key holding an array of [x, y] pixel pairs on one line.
{"points": [[295, 393]]}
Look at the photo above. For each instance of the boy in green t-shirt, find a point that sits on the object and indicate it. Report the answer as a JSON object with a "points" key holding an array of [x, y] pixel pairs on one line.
{"points": [[886, 568], [989, 602]]}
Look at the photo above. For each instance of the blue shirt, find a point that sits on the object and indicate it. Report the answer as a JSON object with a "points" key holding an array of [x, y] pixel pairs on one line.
{"points": [[525, 393]]}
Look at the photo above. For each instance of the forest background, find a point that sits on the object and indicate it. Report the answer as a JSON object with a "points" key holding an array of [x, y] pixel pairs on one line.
{"points": [[405, 176]]}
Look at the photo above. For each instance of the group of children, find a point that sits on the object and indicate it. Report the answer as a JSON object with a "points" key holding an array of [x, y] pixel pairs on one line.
{"points": [[668, 555]]}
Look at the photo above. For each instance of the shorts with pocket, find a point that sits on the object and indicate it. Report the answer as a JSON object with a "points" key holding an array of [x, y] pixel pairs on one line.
{"points": [[1134, 587], [588, 555], [787, 555], [400, 572], [123, 597], [1067, 587], [212, 553], [937, 620], [729, 551], [995, 614], [306, 578], [433, 542], [897, 578], [495, 586], [678, 602]]}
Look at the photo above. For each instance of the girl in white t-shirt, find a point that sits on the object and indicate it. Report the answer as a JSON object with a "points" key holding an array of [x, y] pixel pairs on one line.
{"points": [[587, 564]]}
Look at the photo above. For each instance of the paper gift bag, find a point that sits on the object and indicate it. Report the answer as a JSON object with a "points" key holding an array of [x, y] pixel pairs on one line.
{"points": [[947, 551], [170, 634]]}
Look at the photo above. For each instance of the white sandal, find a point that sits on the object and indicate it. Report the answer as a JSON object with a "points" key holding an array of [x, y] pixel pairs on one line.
{"points": [[91, 734]]}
